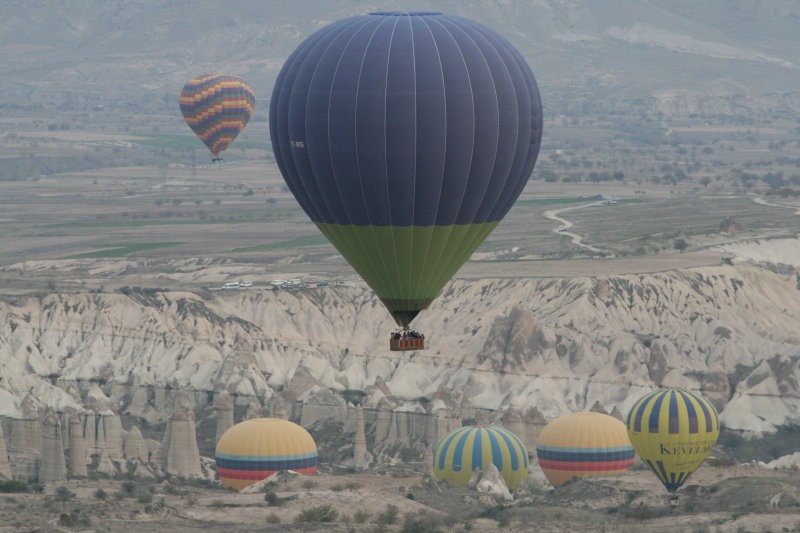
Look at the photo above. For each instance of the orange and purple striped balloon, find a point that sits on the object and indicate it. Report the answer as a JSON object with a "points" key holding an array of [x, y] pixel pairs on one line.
{"points": [[217, 108]]}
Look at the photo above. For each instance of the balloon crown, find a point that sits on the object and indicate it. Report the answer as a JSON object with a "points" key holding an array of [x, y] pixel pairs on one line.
{"points": [[406, 13]]}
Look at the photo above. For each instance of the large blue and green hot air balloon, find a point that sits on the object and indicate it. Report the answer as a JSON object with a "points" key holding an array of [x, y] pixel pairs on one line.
{"points": [[406, 137]]}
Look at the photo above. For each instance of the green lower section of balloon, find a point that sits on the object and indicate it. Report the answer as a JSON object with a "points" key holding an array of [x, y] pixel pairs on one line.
{"points": [[407, 266]]}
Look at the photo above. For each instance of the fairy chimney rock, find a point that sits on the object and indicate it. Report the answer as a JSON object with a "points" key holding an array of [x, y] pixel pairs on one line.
{"points": [[182, 453], [360, 447], [52, 463], [109, 434], [105, 465], [223, 406], [24, 439], [77, 454], [382, 421], [5, 466]]}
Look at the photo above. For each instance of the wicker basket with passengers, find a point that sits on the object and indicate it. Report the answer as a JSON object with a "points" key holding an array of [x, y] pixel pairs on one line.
{"points": [[406, 339]]}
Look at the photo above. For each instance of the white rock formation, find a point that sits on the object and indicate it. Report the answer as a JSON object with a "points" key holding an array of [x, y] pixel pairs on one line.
{"points": [[52, 462], [558, 345], [391, 436], [108, 435], [134, 446], [181, 455], [427, 459], [360, 460], [104, 464], [787, 461], [278, 408], [23, 442], [383, 423], [491, 482], [223, 408], [322, 404], [90, 431], [77, 453], [254, 410], [350, 421]]}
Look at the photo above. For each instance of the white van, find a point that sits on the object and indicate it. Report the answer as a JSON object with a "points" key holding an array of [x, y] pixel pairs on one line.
{"points": [[231, 285]]}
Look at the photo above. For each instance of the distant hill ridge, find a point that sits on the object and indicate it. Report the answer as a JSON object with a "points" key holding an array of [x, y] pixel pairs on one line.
{"points": [[643, 53]]}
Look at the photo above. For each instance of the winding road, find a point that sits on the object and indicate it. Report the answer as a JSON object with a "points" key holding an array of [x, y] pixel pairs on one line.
{"points": [[576, 239]]}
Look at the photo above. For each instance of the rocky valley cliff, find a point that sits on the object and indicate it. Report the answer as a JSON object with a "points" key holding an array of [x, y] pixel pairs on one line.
{"points": [[497, 346]]}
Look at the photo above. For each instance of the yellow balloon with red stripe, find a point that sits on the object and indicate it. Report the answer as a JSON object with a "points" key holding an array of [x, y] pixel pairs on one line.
{"points": [[583, 444], [673, 431], [257, 448]]}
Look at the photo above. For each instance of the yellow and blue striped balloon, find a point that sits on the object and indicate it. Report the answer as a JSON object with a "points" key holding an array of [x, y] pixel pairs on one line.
{"points": [[673, 431], [468, 448]]}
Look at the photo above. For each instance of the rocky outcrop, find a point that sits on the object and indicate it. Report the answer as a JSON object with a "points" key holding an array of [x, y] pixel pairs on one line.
{"points": [[554, 345], [598, 408], [109, 435], [223, 409], [24, 440], [360, 460], [182, 456], [254, 410], [5, 468], [383, 423], [491, 482], [134, 446], [52, 463], [104, 465], [77, 452], [322, 404]]}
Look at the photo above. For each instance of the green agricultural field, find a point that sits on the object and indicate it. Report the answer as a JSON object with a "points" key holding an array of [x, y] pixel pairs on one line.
{"points": [[557, 201], [190, 142], [299, 242], [180, 142], [121, 250]]}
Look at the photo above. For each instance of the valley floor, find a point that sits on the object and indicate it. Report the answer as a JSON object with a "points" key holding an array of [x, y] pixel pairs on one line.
{"points": [[401, 498]]}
